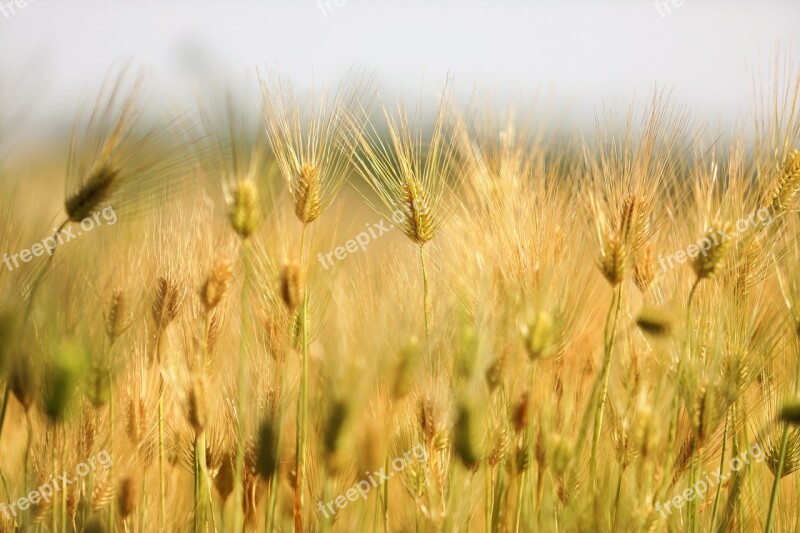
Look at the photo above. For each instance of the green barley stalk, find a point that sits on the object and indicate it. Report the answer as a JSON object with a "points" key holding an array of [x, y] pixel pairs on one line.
{"points": [[244, 216]]}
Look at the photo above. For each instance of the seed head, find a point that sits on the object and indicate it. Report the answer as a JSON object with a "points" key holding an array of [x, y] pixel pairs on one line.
{"points": [[418, 223], [614, 259], [22, 380], [654, 322], [292, 286], [167, 302], [216, 284], [782, 197], [93, 194], [117, 317], [464, 436], [539, 335], [790, 412], [267, 448], [644, 271], [128, 497], [243, 207], [306, 193], [708, 264], [197, 410]]}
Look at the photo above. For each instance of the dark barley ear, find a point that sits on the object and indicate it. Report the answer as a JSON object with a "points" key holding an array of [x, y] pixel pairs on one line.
{"points": [[94, 193], [119, 157]]}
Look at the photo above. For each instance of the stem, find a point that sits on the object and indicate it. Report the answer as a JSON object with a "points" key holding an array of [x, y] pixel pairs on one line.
{"points": [[200, 484], [162, 486], [609, 349], [520, 491], [386, 497], [4, 407], [238, 488], [773, 499], [425, 302], [201, 495], [693, 466], [37, 281], [302, 404], [721, 466], [689, 301]]}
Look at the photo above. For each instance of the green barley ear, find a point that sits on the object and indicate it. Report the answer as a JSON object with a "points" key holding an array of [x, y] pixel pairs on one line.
{"points": [[464, 436], [197, 406], [243, 207], [614, 257], [790, 412], [338, 416], [561, 452], [645, 431], [98, 387], [267, 446], [9, 325], [539, 336], [708, 264], [22, 379], [62, 378], [654, 322]]}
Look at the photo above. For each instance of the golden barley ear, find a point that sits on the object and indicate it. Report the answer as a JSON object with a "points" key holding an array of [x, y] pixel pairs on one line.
{"points": [[412, 177], [292, 286], [708, 264], [166, 302], [614, 257], [783, 195], [217, 284], [311, 137], [306, 194], [118, 318], [644, 270], [418, 224]]}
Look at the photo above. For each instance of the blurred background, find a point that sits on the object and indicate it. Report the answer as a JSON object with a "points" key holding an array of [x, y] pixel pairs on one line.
{"points": [[574, 56]]}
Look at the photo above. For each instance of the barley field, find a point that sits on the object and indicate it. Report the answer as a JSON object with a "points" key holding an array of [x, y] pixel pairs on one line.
{"points": [[326, 310]]}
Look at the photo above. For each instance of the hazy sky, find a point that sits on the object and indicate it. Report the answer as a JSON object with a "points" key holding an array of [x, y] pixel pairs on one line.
{"points": [[579, 54]]}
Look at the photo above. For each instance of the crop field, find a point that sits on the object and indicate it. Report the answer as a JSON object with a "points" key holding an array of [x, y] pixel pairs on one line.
{"points": [[324, 309]]}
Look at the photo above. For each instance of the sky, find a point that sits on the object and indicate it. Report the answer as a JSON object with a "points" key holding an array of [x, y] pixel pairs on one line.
{"points": [[573, 56]]}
